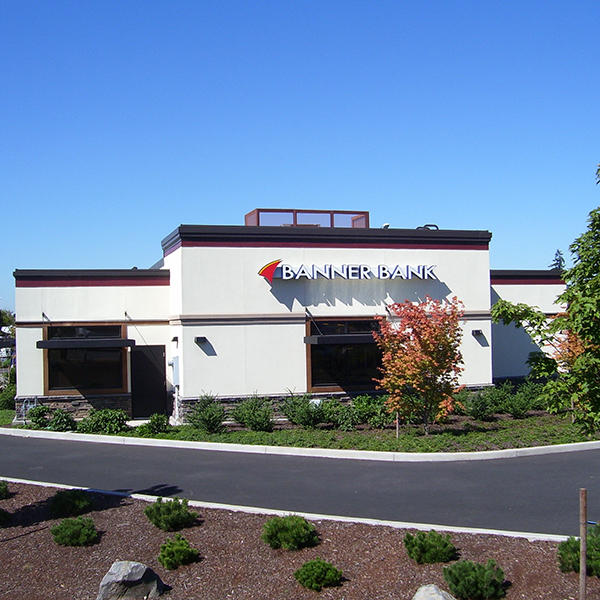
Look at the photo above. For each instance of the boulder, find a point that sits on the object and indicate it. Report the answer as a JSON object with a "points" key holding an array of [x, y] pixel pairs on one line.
{"points": [[130, 580], [432, 592]]}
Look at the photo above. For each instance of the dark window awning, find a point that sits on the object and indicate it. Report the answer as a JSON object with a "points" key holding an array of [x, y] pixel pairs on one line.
{"points": [[85, 343], [345, 338]]}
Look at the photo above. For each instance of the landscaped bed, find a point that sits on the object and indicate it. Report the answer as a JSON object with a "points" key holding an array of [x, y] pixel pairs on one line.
{"points": [[235, 563]]}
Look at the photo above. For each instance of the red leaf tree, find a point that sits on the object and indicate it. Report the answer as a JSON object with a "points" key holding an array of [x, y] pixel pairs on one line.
{"points": [[421, 359]]}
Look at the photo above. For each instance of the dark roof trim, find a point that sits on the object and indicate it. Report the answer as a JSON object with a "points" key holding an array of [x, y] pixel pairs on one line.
{"points": [[526, 277], [347, 338], [84, 343], [322, 237], [90, 277]]}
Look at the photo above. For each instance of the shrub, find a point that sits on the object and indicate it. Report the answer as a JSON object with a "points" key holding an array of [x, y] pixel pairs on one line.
{"points": [[61, 420], [372, 411], [7, 397], [108, 421], [80, 531], [290, 533], [177, 551], [69, 503], [462, 400], [517, 405], [430, 547], [171, 515], [38, 416], [5, 517], [4, 491], [569, 552], [158, 423], [532, 390], [480, 407], [255, 413], [341, 416], [301, 410], [207, 415], [474, 581], [317, 574]]}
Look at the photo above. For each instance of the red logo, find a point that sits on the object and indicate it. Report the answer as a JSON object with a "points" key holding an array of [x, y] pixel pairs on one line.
{"points": [[269, 270]]}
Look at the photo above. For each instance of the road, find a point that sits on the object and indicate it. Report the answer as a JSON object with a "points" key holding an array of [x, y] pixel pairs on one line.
{"points": [[533, 494]]}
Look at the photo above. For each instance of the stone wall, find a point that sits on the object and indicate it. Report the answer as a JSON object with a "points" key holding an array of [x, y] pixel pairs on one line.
{"points": [[77, 406]]}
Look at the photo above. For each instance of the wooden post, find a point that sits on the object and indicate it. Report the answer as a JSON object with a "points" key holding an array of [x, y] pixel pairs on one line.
{"points": [[582, 541]]}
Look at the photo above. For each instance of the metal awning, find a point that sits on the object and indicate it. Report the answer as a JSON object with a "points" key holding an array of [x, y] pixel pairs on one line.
{"points": [[85, 343], [345, 338]]}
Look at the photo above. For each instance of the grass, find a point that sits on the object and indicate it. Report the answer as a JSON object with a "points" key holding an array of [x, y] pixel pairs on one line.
{"points": [[540, 430], [6, 416]]}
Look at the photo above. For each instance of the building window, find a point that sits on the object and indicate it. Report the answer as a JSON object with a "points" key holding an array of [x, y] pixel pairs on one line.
{"points": [[85, 358], [348, 366]]}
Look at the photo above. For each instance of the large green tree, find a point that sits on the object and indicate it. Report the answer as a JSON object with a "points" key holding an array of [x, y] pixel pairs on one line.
{"points": [[571, 341]]}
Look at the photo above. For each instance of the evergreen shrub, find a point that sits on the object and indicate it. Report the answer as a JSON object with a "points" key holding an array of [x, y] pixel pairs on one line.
{"points": [[341, 416], [301, 410], [430, 547], [474, 581], [177, 551], [532, 390], [80, 531], [290, 533], [69, 503], [7, 397], [372, 411], [107, 421], [207, 415], [317, 574], [158, 423], [480, 407], [4, 491], [255, 414], [39, 416], [61, 420], [569, 553], [171, 515]]}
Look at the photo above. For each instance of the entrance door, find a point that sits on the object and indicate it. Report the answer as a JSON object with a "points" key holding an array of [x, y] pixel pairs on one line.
{"points": [[148, 381]]}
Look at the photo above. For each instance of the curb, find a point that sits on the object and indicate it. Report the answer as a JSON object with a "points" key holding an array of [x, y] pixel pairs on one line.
{"points": [[529, 536], [401, 457]]}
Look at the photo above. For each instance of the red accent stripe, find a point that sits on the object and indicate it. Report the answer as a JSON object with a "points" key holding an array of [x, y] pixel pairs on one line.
{"points": [[527, 281], [91, 282], [408, 246]]}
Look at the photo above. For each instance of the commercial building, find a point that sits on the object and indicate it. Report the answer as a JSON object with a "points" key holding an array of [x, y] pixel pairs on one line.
{"points": [[286, 302]]}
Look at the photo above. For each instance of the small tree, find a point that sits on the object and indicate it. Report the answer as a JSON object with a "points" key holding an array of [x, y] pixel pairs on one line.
{"points": [[558, 264], [420, 358]]}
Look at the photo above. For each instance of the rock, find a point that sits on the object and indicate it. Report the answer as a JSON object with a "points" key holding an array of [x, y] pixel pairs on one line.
{"points": [[432, 592], [131, 580]]}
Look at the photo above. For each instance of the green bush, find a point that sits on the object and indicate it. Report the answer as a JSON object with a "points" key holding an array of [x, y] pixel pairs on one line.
{"points": [[12, 376], [290, 533], [80, 531], [317, 574], [177, 551], [372, 411], [517, 405], [532, 390], [480, 407], [341, 416], [462, 400], [207, 415], [7, 397], [108, 421], [474, 581], [158, 423], [255, 414], [5, 517], [61, 420], [301, 410], [430, 547], [69, 503], [39, 416], [171, 515], [4, 491], [569, 552]]}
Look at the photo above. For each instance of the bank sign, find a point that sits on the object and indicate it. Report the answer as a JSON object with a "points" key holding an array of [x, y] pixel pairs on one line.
{"points": [[278, 270]]}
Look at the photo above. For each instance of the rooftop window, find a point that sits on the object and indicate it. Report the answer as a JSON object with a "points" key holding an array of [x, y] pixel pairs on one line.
{"points": [[281, 217]]}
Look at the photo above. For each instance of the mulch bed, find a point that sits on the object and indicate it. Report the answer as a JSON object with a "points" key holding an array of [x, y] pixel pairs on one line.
{"points": [[236, 564]]}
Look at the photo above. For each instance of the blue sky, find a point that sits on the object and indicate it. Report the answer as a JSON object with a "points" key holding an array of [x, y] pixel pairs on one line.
{"points": [[122, 120]]}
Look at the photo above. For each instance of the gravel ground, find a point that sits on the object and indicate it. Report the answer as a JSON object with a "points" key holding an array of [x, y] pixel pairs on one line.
{"points": [[236, 564]]}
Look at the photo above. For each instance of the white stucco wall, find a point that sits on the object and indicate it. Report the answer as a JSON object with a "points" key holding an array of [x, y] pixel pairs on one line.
{"points": [[30, 362]]}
